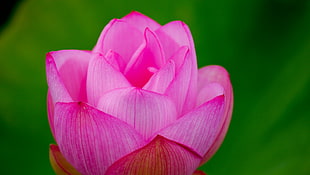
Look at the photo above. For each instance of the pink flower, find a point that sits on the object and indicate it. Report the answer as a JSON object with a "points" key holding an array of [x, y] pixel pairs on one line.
{"points": [[136, 103]]}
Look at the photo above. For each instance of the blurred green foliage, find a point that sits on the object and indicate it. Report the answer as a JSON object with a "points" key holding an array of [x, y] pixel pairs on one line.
{"points": [[264, 44]]}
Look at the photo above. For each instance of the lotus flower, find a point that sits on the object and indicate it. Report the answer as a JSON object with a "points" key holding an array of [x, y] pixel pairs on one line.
{"points": [[137, 103]]}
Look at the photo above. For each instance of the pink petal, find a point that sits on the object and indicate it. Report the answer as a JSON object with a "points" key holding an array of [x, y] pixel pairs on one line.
{"points": [[120, 37], [180, 56], [182, 89], [214, 74], [115, 60], [169, 45], [50, 112], [102, 77], [198, 129], [208, 92], [146, 111], [149, 55], [91, 140], [174, 35], [69, 70], [160, 81], [56, 86], [217, 74], [141, 21], [160, 156], [59, 163]]}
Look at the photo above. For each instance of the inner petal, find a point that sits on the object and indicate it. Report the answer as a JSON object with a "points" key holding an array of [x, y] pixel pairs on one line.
{"points": [[120, 37], [102, 77], [148, 55]]}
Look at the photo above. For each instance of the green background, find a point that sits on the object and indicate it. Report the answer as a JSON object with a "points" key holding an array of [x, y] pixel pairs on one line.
{"points": [[264, 44]]}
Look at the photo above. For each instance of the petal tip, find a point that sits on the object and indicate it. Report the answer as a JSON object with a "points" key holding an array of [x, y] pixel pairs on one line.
{"points": [[133, 13], [49, 58]]}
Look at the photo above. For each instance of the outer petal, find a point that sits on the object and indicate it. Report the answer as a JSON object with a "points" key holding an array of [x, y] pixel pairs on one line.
{"points": [[217, 74], [91, 140], [160, 81], [102, 77], [199, 128], [159, 157], [141, 21], [59, 163], [66, 73], [147, 112], [149, 55], [50, 112], [120, 37]]}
